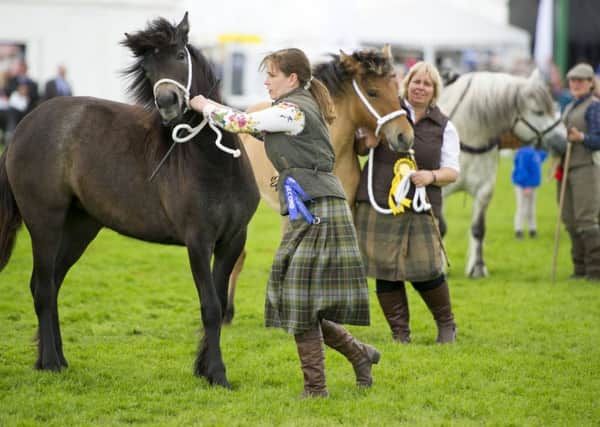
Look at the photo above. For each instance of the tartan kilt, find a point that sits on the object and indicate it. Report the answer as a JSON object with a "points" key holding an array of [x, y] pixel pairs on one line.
{"points": [[399, 247], [318, 272]]}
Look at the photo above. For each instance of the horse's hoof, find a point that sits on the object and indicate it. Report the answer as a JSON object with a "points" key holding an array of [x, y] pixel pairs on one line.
{"points": [[54, 366], [215, 380], [478, 272], [222, 382], [228, 318], [218, 379]]}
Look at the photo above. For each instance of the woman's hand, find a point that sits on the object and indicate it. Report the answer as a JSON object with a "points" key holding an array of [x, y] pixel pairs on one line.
{"points": [[198, 103], [422, 178], [575, 135]]}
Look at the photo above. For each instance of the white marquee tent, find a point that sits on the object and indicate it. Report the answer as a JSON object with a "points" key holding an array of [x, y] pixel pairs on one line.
{"points": [[434, 25], [84, 34]]}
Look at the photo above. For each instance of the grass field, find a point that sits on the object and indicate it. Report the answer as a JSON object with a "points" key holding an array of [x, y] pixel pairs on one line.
{"points": [[527, 351]]}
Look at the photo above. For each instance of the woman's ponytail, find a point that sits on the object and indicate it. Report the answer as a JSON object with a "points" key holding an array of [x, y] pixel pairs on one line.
{"points": [[321, 94]]}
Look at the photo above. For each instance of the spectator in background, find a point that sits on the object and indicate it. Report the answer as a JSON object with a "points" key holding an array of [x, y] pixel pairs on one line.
{"points": [[3, 106], [58, 86], [23, 96], [469, 60], [22, 78], [527, 176], [560, 93]]}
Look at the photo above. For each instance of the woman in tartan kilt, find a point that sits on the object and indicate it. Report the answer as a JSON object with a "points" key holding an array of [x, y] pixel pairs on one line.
{"points": [[317, 279], [407, 246]]}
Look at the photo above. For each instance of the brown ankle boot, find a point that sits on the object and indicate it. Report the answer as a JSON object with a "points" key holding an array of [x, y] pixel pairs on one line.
{"points": [[577, 254], [362, 356], [395, 309], [438, 301], [312, 360], [591, 243]]}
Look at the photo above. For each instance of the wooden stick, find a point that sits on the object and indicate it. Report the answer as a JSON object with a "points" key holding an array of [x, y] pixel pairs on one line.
{"points": [[561, 202]]}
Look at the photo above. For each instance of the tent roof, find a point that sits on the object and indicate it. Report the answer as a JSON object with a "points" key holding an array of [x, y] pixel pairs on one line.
{"points": [[432, 23]]}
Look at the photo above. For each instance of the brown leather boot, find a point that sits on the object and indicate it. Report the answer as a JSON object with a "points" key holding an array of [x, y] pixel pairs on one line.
{"points": [[577, 254], [395, 309], [438, 301], [362, 356], [312, 360], [591, 243]]}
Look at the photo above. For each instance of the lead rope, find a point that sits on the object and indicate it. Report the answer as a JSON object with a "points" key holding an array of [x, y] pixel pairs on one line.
{"points": [[192, 131], [403, 170], [397, 198], [420, 199]]}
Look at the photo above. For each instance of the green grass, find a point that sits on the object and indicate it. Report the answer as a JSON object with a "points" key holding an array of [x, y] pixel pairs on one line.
{"points": [[527, 350]]}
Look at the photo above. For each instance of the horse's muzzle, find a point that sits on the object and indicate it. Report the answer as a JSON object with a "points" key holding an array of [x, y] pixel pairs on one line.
{"points": [[402, 144], [166, 99], [170, 104]]}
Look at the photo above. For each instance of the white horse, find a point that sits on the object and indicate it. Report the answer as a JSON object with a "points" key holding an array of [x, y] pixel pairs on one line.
{"points": [[483, 105]]}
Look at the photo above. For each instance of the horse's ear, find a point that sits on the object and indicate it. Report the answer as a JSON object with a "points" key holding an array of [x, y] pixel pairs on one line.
{"points": [[347, 61], [536, 75], [127, 41], [387, 51], [183, 28]]}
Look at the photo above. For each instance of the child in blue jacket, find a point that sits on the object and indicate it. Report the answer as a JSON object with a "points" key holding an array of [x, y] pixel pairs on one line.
{"points": [[526, 176]]}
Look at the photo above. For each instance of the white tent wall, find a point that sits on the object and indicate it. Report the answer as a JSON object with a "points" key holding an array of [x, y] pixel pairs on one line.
{"points": [[319, 26], [252, 29], [431, 26], [83, 35], [310, 22]]}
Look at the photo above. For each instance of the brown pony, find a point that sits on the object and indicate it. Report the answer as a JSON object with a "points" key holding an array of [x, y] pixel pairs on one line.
{"points": [[365, 93]]}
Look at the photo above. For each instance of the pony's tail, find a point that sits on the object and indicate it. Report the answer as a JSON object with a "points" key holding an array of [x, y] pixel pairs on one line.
{"points": [[10, 217]]}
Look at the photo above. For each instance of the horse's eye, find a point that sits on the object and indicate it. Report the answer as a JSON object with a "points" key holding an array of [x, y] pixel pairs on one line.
{"points": [[180, 56], [538, 113], [372, 93]]}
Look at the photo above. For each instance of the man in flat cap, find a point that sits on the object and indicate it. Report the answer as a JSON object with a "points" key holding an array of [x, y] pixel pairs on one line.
{"points": [[582, 193]]}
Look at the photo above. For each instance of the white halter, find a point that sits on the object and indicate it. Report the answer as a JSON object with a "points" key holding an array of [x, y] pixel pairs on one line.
{"points": [[192, 131], [419, 199], [380, 120], [185, 89]]}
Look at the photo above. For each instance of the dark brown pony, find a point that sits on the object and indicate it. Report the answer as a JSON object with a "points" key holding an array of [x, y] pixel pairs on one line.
{"points": [[78, 164]]}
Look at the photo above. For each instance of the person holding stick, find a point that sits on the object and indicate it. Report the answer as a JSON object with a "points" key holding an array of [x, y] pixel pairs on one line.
{"points": [[579, 177]]}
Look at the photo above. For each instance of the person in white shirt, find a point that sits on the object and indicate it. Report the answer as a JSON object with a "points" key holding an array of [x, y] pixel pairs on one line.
{"points": [[403, 243]]}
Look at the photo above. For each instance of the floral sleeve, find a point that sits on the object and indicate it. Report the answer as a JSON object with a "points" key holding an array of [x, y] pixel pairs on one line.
{"points": [[284, 117]]}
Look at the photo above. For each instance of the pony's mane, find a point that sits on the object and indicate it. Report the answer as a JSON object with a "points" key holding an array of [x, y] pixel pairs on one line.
{"points": [[161, 34], [334, 74], [492, 98]]}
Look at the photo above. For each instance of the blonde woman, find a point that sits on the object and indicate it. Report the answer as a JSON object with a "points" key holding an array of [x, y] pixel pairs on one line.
{"points": [[407, 246]]}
